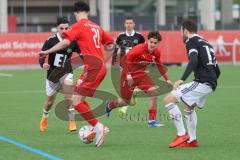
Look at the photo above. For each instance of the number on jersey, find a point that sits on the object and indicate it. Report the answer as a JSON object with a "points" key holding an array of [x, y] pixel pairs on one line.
{"points": [[96, 37], [59, 60]]}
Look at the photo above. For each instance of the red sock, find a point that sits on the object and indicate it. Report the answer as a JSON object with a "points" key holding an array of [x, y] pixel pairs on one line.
{"points": [[86, 112], [152, 113], [113, 104]]}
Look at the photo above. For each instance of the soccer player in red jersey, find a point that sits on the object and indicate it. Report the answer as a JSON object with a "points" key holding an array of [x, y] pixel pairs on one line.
{"points": [[90, 38], [134, 75]]}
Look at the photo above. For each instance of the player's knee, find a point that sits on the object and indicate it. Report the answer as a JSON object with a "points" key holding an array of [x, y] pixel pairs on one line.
{"points": [[169, 99], [154, 98], [76, 99]]}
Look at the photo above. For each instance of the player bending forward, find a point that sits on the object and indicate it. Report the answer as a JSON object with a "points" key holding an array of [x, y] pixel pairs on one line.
{"points": [[90, 38], [59, 74], [125, 42], [202, 62], [134, 75]]}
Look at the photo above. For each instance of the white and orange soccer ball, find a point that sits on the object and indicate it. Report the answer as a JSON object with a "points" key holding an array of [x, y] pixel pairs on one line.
{"points": [[86, 134]]}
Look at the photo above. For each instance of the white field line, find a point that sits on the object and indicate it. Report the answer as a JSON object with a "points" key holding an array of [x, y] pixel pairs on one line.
{"points": [[6, 75]]}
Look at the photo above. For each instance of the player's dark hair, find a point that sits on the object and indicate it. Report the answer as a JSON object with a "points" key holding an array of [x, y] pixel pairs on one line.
{"points": [[62, 20], [190, 25], [81, 6], [129, 18], [155, 35]]}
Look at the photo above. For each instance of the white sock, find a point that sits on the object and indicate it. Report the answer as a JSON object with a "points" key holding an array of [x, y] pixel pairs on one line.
{"points": [[125, 107], [176, 116], [191, 121], [45, 113], [71, 114], [98, 127]]}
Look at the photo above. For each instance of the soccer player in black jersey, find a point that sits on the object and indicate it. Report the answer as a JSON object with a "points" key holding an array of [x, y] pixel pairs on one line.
{"points": [[125, 42], [59, 73], [202, 62]]}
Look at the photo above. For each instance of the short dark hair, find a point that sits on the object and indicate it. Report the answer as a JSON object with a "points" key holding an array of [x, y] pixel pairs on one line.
{"points": [[129, 18], [81, 6], [155, 35], [62, 20], [190, 25]]}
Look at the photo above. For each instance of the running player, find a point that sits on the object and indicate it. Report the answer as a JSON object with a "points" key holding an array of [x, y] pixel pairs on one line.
{"points": [[134, 75], [90, 38], [125, 42], [59, 73], [202, 62]]}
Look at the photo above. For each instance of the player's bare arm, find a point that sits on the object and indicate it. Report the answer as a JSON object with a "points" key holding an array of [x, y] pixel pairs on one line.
{"points": [[61, 45]]}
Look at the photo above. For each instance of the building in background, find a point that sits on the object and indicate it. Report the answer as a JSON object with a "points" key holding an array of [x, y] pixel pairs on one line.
{"points": [[40, 15]]}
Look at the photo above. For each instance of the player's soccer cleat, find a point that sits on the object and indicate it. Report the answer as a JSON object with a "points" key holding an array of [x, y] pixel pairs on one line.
{"points": [[179, 140], [192, 144], [154, 123], [72, 126], [43, 124], [107, 110], [122, 111], [100, 135]]}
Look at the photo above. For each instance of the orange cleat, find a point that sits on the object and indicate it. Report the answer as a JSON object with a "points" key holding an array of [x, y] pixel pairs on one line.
{"points": [[72, 126], [43, 124], [178, 140], [192, 144]]}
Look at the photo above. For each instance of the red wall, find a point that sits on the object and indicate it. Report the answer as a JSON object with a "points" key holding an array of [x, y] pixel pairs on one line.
{"points": [[21, 48]]}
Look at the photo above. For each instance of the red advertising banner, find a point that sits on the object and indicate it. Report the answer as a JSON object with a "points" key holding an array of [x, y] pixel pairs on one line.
{"points": [[21, 48]]}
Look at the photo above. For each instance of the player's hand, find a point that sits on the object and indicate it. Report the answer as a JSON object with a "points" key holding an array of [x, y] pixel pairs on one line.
{"points": [[169, 83], [42, 54], [46, 66], [130, 80], [110, 47], [177, 84]]}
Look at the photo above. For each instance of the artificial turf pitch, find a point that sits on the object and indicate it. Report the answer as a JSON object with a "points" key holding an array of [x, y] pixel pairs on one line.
{"points": [[22, 94]]}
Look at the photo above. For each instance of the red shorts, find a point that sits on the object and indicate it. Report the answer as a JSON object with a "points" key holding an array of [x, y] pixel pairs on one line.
{"points": [[143, 82], [89, 80]]}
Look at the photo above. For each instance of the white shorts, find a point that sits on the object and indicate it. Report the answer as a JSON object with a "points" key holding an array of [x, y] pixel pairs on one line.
{"points": [[52, 88], [193, 93]]}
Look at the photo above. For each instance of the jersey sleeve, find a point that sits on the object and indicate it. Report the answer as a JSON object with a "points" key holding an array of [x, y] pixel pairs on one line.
{"points": [[191, 47], [142, 39], [133, 53], [160, 65], [118, 40], [72, 33], [45, 47], [192, 64]]}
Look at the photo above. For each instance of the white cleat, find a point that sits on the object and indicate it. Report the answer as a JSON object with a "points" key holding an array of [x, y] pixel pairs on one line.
{"points": [[100, 135]]}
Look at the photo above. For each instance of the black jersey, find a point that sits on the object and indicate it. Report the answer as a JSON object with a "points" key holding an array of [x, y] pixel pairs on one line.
{"points": [[60, 62], [126, 42], [206, 70]]}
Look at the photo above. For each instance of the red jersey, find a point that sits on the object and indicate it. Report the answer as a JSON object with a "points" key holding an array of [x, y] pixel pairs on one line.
{"points": [[139, 57], [90, 38]]}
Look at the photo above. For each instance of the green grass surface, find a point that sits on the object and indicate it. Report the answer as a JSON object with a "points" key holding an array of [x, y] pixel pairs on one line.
{"points": [[129, 139]]}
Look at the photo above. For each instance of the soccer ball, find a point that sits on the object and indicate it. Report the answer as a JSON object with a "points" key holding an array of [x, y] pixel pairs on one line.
{"points": [[86, 134]]}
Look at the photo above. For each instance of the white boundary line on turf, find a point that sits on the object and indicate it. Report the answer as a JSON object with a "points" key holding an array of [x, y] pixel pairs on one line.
{"points": [[6, 75], [33, 150]]}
